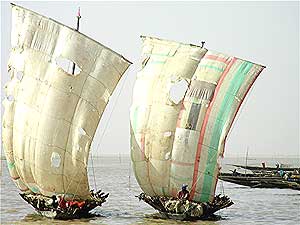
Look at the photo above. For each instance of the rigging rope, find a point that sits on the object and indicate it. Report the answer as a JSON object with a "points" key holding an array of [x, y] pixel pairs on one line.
{"points": [[222, 187], [113, 108], [108, 120], [95, 184], [76, 172]]}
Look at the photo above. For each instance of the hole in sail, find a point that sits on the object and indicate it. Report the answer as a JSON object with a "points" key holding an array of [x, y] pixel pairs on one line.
{"points": [[168, 134], [177, 91], [55, 160], [81, 131], [19, 75], [167, 155], [68, 66], [10, 98]]}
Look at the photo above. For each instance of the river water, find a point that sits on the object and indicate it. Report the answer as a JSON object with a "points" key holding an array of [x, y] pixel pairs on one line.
{"points": [[114, 175]]}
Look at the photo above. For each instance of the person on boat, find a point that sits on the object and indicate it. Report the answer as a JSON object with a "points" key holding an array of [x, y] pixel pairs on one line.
{"points": [[62, 203], [75, 204], [277, 166], [54, 201], [182, 198], [184, 194], [234, 173], [281, 173]]}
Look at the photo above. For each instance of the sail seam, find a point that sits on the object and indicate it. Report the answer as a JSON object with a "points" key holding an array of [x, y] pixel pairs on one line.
{"points": [[63, 166], [55, 117]]}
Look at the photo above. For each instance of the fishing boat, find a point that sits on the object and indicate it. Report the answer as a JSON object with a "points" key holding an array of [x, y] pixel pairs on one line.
{"points": [[266, 168], [264, 177], [184, 103], [61, 82], [259, 181]]}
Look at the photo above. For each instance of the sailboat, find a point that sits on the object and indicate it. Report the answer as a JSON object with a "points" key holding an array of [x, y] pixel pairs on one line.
{"points": [[61, 82], [184, 102]]}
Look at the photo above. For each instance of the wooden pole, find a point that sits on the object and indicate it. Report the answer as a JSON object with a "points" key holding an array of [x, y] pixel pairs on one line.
{"points": [[77, 29], [246, 160]]}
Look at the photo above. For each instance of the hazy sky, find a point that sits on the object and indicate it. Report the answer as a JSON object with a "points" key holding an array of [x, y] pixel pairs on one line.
{"points": [[266, 33]]}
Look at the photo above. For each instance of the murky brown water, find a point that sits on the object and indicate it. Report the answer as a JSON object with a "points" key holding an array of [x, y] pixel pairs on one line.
{"points": [[252, 206]]}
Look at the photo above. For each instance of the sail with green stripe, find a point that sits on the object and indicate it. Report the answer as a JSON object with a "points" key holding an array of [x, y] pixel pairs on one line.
{"points": [[181, 142]]}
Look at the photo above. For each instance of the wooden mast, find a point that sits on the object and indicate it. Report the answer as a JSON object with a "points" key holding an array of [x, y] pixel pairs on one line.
{"points": [[77, 29]]}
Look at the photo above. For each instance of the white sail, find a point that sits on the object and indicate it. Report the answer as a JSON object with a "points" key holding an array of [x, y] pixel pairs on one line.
{"points": [[50, 114], [178, 141]]}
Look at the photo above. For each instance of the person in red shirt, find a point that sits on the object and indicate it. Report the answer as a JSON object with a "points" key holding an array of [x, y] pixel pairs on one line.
{"points": [[62, 203], [184, 194], [76, 203]]}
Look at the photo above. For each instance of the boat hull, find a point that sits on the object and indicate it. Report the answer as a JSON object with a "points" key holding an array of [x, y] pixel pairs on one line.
{"points": [[45, 207], [192, 210], [61, 215], [261, 182]]}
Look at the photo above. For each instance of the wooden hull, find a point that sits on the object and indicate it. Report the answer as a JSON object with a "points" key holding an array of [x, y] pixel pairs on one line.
{"points": [[261, 182], [75, 211], [57, 214], [189, 214], [185, 217], [182, 217], [259, 168]]}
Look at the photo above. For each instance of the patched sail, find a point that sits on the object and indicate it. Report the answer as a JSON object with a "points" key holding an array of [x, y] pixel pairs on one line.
{"points": [[51, 115], [178, 141]]}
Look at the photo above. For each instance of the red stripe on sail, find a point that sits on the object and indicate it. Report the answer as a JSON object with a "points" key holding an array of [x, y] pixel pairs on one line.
{"points": [[203, 129], [217, 58]]}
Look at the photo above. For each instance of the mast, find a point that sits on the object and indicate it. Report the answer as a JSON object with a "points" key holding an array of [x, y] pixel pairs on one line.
{"points": [[202, 44], [246, 163], [77, 29]]}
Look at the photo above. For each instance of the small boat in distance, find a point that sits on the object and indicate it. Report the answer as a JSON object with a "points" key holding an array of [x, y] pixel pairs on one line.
{"points": [[61, 82], [184, 103], [265, 177], [266, 168]]}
